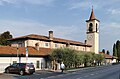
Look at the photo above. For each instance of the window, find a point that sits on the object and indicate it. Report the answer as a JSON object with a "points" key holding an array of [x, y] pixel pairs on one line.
{"points": [[14, 62], [83, 49], [77, 48], [56, 45], [90, 27], [96, 27], [37, 64], [46, 44], [19, 44]]}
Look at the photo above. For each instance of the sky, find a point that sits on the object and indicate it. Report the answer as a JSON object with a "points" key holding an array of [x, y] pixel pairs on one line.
{"points": [[66, 18]]}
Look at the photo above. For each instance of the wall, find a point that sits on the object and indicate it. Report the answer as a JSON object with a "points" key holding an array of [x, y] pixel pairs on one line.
{"points": [[6, 61], [46, 44]]}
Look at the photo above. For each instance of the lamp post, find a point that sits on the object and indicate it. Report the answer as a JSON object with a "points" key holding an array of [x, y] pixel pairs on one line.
{"points": [[26, 54], [17, 55]]}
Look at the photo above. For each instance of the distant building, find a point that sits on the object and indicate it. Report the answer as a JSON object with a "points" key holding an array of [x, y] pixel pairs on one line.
{"points": [[109, 59]]}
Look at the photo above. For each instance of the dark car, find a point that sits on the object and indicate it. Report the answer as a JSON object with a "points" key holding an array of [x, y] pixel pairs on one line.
{"points": [[21, 68]]}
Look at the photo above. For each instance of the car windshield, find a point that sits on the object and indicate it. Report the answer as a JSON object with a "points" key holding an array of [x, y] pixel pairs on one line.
{"points": [[14, 64], [30, 65]]}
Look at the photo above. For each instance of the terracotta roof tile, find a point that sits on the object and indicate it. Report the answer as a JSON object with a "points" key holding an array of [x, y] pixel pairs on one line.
{"points": [[108, 56], [92, 16], [40, 37], [22, 50]]}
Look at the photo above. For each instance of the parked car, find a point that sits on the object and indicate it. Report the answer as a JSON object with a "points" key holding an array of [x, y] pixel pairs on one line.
{"points": [[20, 68]]}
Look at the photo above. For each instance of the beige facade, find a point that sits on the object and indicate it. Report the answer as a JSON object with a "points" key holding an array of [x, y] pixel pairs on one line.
{"points": [[48, 44]]}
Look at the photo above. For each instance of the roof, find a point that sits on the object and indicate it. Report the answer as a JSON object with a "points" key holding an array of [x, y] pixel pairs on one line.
{"points": [[46, 38], [92, 16], [108, 56], [8, 50]]}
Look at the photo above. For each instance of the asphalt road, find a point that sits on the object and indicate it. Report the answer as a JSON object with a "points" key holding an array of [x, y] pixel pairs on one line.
{"points": [[104, 72], [109, 72]]}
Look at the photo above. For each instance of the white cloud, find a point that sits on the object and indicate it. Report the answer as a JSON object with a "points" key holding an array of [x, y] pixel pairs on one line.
{"points": [[114, 11], [34, 2], [84, 4], [76, 5], [20, 28], [114, 25], [99, 4], [40, 2], [8, 1]]}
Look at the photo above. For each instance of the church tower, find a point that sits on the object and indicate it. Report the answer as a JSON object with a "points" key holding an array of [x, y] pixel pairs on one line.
{"points": [[93, 32]]}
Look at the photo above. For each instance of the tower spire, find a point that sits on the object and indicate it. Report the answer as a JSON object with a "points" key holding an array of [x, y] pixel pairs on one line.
{"points": [[92, 16]]}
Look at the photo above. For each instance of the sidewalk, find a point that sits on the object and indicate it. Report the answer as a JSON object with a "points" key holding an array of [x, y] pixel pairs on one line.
{"points": [[77, 69]]}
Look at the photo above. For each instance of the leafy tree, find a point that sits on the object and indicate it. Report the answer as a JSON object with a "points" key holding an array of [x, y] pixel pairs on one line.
{"points": [[73, 58], [3, 38], [114, 50], [99, 58], [66, 55], [103, 50]]}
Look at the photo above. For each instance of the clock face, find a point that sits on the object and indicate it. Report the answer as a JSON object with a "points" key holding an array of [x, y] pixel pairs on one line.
{"points": [[90, 37]]}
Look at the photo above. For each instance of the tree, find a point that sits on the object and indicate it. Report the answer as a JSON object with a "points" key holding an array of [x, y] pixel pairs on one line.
{"points": [[73, 58], [103, 50], [118, 49], [66, 55], [108, 52], [99, 58], [114, 50], [3, 38]]}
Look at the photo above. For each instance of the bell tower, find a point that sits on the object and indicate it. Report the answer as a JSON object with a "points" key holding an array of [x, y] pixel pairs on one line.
{"points": [[93, 32]]}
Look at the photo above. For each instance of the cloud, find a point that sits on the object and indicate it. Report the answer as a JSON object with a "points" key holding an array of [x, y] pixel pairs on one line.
{"points": [[114, 11], [8, 2], [76, 5], [114, 25], [21, 28], [85, 4], [33, 2], [99, 4], [39, 2]]}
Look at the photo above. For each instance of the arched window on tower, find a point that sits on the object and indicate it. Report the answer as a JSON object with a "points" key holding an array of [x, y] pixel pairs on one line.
{"points": [[90, 27], [96, 27]]}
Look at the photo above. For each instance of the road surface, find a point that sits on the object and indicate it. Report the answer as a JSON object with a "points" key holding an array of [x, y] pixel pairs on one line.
{"points": [[102, 72]]}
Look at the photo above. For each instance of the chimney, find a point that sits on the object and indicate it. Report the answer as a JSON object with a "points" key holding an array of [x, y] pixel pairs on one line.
{"points": [[37, 46], [85, 42], [51, 35]]}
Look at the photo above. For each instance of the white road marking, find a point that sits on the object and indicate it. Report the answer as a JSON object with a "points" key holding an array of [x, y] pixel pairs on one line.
{"points": [[92, 74], [79, 78], [86, 76], [55, 76]]}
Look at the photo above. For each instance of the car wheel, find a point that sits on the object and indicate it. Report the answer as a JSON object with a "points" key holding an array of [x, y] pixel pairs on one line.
{"points": [[31, 73], [21, 72], [7, 70]]}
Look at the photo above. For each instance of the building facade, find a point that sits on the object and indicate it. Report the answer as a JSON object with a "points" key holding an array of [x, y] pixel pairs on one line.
{"points": [[38, 41]]}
